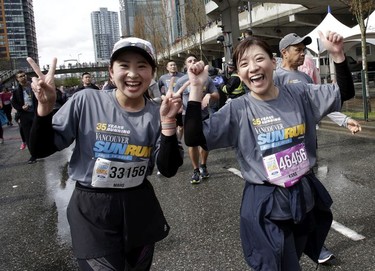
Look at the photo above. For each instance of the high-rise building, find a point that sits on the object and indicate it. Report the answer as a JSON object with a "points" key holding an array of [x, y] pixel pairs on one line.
{"points": [[175, 15], [148, 9], [105, 32], [127, 17], [17, 34]]}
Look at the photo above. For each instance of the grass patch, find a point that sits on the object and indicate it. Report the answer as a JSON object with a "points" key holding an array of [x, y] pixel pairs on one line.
{"points": [[359, 115]]}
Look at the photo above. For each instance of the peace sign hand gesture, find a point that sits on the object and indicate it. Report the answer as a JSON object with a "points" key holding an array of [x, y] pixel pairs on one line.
{"points": [[44, 87], [171, 105], [172, 102]]}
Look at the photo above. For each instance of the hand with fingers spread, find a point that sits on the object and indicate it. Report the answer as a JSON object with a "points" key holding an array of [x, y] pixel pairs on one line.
{"points": [[169, 108], [179, 93], [334, 44], [44, 87], [171, 103], [181, 89]]}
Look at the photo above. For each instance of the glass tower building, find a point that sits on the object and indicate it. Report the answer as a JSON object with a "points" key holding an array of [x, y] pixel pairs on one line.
{"points": [[105, 32], [17, 34]]}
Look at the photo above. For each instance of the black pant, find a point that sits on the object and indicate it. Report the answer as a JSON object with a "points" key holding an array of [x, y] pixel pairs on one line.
{"points": [[8, 112], [26, 122], [295, 239], [138, 259]]}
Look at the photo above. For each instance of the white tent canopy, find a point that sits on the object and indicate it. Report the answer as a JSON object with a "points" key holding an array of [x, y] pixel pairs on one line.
{"points": [[329, 23], [355, 32], [351, 42]]}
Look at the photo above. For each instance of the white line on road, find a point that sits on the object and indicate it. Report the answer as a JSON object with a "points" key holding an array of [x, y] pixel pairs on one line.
{"points": [[235, 172], [335, 225], [346, 231]]}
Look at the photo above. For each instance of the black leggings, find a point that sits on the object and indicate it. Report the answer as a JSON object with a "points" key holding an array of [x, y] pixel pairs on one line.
{"points": [[138, 259]]}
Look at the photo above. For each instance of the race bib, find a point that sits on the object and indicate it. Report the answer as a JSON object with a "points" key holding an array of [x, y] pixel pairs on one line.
{"points": [[286, 168], [112, 174]]}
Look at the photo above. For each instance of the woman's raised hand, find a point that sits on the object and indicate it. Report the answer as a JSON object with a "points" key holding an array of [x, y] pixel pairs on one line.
{"points": [[172, 102], [198, 76], [44, 87], [334, 44]]}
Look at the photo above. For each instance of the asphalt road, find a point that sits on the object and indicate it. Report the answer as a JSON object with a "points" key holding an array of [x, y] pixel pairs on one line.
{"points": [[204, 218]]}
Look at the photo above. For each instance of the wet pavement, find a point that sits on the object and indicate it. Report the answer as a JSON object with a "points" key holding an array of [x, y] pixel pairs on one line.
{"points": [[32, 215], [204, 218]]}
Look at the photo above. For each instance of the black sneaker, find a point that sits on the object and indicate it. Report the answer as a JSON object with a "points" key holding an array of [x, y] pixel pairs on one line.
{"points": [[195, 178], [203, 171], [32, 160], [325, 255]]}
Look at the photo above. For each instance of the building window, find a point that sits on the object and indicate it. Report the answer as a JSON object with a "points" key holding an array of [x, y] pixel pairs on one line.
{"points": [[358, 50]]}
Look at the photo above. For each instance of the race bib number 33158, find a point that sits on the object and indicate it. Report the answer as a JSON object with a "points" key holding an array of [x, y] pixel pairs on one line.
{"points": [[113, 174]]}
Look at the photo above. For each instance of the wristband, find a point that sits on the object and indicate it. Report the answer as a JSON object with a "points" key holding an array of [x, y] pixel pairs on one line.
{"points": [[168, 125], [168, 120]]}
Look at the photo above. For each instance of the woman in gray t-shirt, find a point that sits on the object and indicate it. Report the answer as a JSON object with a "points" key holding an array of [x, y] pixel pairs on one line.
{"points": [[285, 209]]}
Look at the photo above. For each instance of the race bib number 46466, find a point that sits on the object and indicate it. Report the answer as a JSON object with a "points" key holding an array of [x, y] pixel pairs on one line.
{"points": [[112, 174], [286, 168]]}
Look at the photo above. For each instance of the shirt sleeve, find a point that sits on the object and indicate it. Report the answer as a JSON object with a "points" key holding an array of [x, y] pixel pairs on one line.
{"points": [[344, 81], [41, 142], [232, 84], [338, 118], [160, 84], [16, 100], [170, 156], [193, 129], [220, 129]]}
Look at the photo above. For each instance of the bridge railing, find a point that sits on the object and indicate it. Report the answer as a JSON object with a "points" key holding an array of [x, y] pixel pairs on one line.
{"points": [[9, 75]]}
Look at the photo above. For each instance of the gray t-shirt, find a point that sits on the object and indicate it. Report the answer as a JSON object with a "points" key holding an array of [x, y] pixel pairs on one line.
{"points": [[282, 77], [164, 80], [209, 87], [259, 129], [102, 128]]}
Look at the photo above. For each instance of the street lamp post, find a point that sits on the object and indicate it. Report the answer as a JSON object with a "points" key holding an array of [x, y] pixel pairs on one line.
{"points": [[78, 57]]}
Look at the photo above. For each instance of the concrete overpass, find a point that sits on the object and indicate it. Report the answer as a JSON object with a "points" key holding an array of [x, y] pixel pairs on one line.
{"points": [[271, 21]]}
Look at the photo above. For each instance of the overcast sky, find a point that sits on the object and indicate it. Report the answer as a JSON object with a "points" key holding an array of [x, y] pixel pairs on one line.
{"points": [[63, 28]]}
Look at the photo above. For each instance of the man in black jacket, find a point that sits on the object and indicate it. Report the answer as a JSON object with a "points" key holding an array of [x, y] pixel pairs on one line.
{"points": [[25, 103], [233, 87], [86, 83]]}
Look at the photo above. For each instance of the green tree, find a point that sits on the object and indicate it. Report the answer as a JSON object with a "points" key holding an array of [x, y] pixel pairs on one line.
{"points": [[151, 24], [361, 9], [71, 81], [139, 30]]}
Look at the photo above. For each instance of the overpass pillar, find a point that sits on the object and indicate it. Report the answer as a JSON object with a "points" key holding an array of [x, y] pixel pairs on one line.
{"points": [[230, 25]]}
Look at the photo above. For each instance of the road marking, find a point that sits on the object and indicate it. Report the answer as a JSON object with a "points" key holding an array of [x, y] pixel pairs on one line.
{"points": [[346, 231], [235, 172], [335, 225]]}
